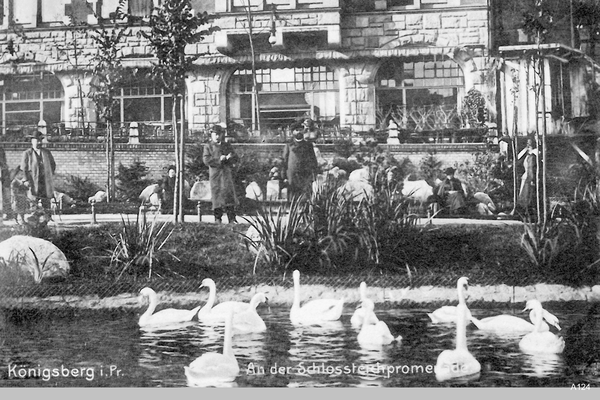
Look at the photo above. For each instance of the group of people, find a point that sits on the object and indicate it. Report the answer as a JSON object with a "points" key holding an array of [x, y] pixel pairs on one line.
{"points": [[298, 171], [29, 185]]}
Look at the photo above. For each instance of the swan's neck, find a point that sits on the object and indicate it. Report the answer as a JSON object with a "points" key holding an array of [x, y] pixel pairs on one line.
{"points": [[254, 301], [363, 292], [152, 306], [211, 298], [461, 326], [537, 319], [296, 303], [227, 350]]}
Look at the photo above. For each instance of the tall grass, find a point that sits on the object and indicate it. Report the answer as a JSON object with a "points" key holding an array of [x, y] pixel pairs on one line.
{"points": [[137, 246], [276, 236], [330, 231]]}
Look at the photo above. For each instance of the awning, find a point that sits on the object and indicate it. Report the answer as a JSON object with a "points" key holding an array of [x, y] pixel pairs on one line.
{"points": [[558, 51]]}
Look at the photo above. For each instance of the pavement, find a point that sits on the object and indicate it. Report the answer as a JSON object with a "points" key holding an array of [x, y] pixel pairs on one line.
{"points": [[88, 220]]}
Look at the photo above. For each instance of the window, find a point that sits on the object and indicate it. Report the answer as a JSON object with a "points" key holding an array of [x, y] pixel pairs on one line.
{"points": [[31, 98], [285, 95], [421, 94], [560, 86], [143, 101]]}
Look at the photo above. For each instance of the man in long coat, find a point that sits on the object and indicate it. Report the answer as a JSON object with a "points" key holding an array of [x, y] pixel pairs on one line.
{"points": [[38, 165], [300, 164], [219, 156]]}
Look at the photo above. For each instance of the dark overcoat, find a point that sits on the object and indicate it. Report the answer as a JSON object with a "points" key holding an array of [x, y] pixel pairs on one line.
{"points": [[31, 168], [300, 166], [222, 188]]}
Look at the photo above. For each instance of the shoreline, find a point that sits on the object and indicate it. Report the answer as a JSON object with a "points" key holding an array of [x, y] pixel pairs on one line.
{"points": [[283, 296]]}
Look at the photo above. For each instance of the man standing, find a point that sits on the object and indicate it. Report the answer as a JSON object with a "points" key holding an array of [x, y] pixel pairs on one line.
{"points": [[219, 156], [38, 165], [300, 164]]}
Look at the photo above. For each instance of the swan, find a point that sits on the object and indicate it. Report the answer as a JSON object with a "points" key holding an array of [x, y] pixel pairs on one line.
{"points": [[446, 314], [164, 317], [510, 323], [206, 313], [215, 368], [458, 363], [314, 311], [538, 341], [247, 320], [373, 334], [359, 313]]}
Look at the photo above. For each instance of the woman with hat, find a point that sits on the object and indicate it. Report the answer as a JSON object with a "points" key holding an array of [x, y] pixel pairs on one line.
{"points": [[450, 193], [38, 165], [219, 156]]}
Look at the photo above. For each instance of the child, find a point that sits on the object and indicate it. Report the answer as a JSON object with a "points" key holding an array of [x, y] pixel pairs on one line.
{"points": [[18, 190]]}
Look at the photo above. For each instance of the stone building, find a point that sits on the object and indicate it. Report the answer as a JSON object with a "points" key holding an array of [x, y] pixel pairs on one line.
{"points": [[346, 64]]}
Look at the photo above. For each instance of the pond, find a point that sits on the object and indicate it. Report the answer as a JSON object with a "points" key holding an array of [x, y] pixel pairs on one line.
{"points": [[85, 348]]}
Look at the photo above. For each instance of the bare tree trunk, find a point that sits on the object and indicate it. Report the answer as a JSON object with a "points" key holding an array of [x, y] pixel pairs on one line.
{"points": [[177, 163], [254, 82], [180, 167], [543, 154]]}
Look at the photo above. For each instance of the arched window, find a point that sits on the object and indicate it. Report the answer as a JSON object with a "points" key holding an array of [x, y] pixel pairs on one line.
{"points": [[419, 95], [27, 99], [285, 95]]}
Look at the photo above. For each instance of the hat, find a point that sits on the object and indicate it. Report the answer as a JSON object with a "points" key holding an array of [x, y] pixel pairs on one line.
{"points": [[36, 135], [449, 171], [14, 172], [217, 128], [171, 167]]}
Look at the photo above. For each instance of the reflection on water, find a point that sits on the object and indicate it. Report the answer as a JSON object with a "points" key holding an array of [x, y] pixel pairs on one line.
{"points": [[328, 355]]}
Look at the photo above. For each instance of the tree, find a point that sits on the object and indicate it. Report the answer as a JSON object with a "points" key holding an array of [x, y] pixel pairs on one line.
{"points": [[108, 75], [173, 26]]}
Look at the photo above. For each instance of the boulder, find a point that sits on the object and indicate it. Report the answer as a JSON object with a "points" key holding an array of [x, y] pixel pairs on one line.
{"points": [[24, 250]]}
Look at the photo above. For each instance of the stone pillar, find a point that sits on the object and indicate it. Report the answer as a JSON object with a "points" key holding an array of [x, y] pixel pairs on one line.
{"points": [[205, 107]]}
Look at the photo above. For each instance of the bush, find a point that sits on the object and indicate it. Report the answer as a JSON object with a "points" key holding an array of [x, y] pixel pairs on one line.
{"points": [[132, 180], [80, 189]]}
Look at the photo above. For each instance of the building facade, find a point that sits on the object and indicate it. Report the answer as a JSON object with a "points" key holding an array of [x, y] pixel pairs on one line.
{"points": [[353, 65]]}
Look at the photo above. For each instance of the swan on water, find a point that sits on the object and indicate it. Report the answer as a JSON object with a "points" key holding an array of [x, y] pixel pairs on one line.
{"points": [[358, 316], [168, 316], [314, 311], [458, 363], [538, 341], [215, 368]]}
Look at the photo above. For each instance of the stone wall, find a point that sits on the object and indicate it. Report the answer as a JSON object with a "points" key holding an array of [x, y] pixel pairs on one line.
{"points": [[89, 160]]}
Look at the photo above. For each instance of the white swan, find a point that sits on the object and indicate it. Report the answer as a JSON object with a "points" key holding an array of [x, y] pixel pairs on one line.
{"points": [[458, 363], [247, 320], [169, 316], [510, 323], [215, 368], [446, 314], [373, 334], [206, 313], [314, 311], [359, 313], [538, 341]]}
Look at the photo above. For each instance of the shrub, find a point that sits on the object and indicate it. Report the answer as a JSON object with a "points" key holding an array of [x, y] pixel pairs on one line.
{"points": [[80, 189], [132, 180]]}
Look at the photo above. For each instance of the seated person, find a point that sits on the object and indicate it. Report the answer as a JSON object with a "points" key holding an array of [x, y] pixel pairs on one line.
{"points": [[450, 193]]}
